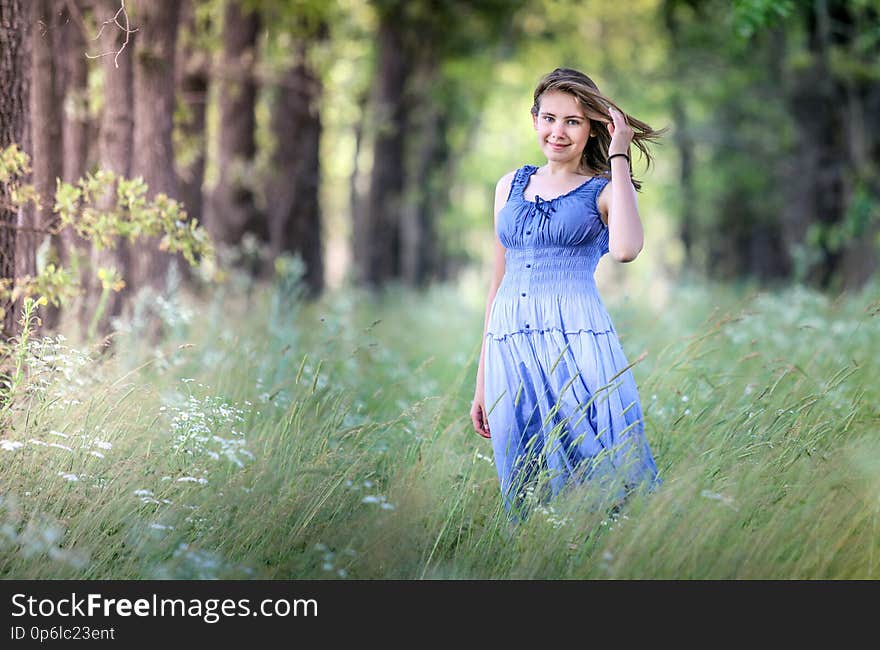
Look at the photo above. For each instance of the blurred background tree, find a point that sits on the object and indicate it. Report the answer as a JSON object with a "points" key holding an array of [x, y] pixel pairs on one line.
{"points": [[366, 136]]}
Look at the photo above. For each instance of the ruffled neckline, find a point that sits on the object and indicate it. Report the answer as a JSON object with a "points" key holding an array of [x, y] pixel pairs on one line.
{"points": [[530, 170]]}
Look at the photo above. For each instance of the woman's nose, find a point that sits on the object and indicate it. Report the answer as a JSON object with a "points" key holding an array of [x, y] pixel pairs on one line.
{"points": [[558, 129]]}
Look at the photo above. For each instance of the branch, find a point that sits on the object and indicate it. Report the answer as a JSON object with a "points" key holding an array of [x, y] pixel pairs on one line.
{"points": [[76, 14], [51, 229], [126, 29]]}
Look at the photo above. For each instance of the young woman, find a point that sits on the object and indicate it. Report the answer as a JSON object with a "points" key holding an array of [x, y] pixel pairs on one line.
{"points": [[554, 390]]}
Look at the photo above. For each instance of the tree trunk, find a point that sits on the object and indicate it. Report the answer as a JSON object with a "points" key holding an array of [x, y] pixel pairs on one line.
{"points": [[294, 212], [72, 76], [115, 140], [862, 119], [818, 191], [192, 88], [357, 193], [681, 137], [154, 63], [233, 211], [427, 185], [860, 259], [46, 132], [380, 252], [72, 88], [685, 147], [14, 119]]}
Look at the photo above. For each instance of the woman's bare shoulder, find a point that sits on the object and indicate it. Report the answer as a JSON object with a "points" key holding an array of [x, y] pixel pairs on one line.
{"points": [[505, 181], [502, 189]]}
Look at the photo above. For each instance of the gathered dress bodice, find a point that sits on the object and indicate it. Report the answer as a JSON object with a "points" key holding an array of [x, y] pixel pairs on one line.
{"points": [[552, 250]]}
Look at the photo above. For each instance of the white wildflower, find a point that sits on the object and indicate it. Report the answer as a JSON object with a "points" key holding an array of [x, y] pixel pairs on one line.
{"points": [[708, 494], [192, 479], [380, 499]]}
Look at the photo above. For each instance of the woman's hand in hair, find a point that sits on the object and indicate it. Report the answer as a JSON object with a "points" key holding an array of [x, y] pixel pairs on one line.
{"points": [[621, 132]]}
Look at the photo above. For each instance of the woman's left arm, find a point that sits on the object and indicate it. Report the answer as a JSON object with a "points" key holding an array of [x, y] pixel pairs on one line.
{"points": [[625, 234]]}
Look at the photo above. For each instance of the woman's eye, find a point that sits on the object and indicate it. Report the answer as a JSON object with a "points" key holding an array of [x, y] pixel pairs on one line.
{"points": [[573, 122], [547, 118]]}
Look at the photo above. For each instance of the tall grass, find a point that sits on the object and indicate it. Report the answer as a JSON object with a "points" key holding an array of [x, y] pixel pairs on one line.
{"points": [[264, 437]]}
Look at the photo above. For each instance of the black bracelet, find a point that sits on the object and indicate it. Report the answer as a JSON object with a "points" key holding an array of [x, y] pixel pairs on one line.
{"points": [[619, 154]]}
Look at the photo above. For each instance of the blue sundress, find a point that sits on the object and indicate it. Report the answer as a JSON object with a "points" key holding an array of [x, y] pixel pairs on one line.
{"points": [[560, 411]]}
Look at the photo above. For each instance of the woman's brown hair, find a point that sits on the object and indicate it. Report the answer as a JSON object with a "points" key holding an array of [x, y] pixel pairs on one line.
{"points": [[595, 107]]}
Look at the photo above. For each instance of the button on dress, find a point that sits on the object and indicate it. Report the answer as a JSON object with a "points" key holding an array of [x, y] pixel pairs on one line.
{"points": [[560, 405]]}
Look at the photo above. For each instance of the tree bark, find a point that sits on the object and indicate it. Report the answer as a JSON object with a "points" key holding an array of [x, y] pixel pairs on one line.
{"points": [[861, 108], [47, 140], [154, 63], [682, 138], [233, 210], [192, 89], [71, 77], [357, 192], [427, 185], [294, 212], [115, 140], [378, 255], [817, 191], [14, 119]]}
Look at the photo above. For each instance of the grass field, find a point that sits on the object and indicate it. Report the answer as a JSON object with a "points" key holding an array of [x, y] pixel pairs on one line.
{"points": [[262, 437]]}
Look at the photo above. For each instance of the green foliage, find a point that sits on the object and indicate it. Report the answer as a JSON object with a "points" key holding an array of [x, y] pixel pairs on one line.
{"points": [[13, 163], [751, 16], [11, 383], [862, 217], [103, 207], [188, 146]]}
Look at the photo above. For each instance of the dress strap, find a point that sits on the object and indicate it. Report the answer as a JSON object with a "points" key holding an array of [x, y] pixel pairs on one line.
{"points": [[522, 175], [516, 184]]}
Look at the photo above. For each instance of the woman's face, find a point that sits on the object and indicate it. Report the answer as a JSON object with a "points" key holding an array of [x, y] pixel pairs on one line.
{"points": [[562, 128]]}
